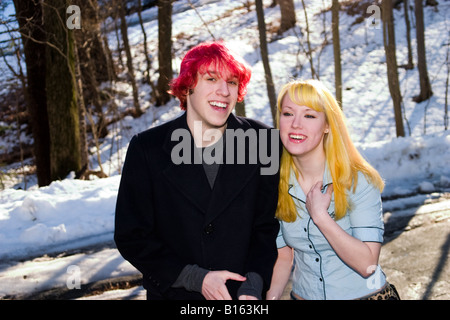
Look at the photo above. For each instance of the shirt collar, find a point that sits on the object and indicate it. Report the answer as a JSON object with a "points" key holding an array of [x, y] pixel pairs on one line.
{"points": [[297, 192]]}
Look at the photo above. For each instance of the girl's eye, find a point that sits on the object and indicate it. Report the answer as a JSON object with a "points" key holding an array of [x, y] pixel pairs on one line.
{"points": [[234, 83], [286, 114], [310, 116]]}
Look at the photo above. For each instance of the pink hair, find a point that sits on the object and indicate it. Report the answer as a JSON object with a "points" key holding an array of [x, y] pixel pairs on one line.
{"points": [[200, 59]]}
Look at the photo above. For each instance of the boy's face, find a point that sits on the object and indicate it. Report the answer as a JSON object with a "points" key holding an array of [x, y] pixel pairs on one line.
{"points": [[212, 100]]}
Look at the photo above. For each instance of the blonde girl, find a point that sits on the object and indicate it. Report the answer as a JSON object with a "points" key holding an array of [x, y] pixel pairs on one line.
{"points": [[329, 206]]}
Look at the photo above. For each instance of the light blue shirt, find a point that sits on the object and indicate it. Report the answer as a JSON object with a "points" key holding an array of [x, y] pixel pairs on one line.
{"points": [[319, 274]]}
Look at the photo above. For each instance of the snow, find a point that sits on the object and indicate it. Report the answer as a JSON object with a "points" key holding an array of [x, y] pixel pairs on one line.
{"points": [[37, 224], [44, 273]]}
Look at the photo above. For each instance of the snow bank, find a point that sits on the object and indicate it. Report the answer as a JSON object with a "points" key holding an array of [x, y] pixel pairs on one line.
{"points": [[61, 214], [405, 162]]}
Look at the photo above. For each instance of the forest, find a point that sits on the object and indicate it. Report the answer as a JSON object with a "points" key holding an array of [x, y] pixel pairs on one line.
{"points": [[66, 64]]}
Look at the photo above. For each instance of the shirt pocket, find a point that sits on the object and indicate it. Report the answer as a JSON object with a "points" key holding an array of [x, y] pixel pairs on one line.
{"points": [[294, 233]]}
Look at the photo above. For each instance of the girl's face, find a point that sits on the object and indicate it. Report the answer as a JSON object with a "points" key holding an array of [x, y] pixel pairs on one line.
{"points": [[302, 129]]}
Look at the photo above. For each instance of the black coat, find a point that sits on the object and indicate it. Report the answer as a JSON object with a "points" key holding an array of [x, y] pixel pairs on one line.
{"points": [[167, 215]]}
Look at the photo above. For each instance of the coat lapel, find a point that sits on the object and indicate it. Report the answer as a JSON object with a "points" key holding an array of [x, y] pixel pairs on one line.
{"points": [[232, 177], [189, 179]]}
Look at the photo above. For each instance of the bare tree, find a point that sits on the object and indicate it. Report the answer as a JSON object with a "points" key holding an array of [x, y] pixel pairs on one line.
{"points": [[93, 60], [308, 42], [336, 50], [147, 54], [410, 64], [288, 18], [164, 51], [126, 44], [446, 90], [391, 61], [30, 19], [265, 58], [61, 92], [240, 108], [19, 94], [84, 154], [425, 86]]}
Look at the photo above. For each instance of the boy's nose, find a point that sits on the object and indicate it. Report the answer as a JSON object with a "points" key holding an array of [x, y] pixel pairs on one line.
{"points": [[223, 88]]}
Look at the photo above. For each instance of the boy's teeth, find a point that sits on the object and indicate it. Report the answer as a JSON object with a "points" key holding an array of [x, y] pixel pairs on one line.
{"points": [[218, 104]]}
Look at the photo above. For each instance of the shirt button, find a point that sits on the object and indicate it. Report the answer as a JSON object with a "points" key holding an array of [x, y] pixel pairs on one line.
{"points": [[317, 259], [304, 229], [320, 279]]}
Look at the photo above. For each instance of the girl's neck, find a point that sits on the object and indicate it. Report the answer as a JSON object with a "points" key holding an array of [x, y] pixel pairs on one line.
{"points": [[310, 169]]}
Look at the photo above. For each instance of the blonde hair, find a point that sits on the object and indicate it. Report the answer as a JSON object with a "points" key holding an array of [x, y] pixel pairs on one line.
{"points": [[343, 159]]}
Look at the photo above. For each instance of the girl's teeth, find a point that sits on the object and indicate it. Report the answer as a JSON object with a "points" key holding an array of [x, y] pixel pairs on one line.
{"points": [[297, 137]]}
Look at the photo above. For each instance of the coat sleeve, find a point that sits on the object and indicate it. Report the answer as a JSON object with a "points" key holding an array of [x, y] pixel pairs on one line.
{"points": [[134, 231]]}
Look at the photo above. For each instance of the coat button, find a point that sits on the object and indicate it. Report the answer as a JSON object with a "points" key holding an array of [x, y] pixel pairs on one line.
{"points": [[209, 229]]}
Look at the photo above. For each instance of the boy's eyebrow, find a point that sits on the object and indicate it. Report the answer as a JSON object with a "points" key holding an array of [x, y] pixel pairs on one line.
{"points": [[211, 73], [215, 73]]}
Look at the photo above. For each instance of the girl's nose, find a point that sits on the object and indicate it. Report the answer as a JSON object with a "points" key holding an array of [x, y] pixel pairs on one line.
{"points": [[297, 121]]}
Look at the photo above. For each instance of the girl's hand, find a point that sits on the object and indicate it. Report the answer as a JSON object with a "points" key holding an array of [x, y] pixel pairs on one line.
{"points": [[317, 203]]}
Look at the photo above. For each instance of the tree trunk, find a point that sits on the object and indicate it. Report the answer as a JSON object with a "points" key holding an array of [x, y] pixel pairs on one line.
{"points": [[92, 34], [288, 18], [425, 86], [29, 17], [93, 61], [164, 51], [410, 64], [391, 61], [308, 42], [265, 59], [446, 92], [61, 92], [147, 56], [240, 108], [126, 44], [84, 154], [336, 51]]}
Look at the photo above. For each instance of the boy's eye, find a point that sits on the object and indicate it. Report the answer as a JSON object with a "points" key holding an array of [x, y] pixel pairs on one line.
{"points": [[232, 82]]}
